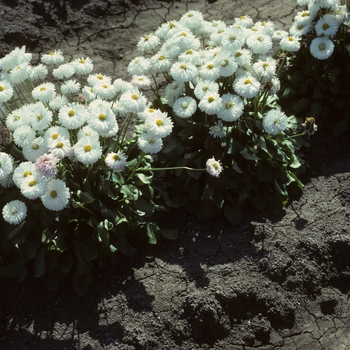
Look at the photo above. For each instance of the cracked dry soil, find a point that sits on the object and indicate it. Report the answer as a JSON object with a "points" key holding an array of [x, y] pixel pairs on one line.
{"points": [[271, 283]]}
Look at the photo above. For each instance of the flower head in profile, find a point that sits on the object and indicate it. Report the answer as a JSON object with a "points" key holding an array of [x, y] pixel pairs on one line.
{"points": [[54, 57], [217, 130], [56, 195], [115, 160], [83, 66], [275, 121], [6, 91], [149, 143], [290, 43], [214, 167], [14, 212]]}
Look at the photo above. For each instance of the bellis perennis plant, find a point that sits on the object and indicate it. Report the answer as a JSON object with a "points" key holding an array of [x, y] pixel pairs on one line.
{"points": [[219, 84], [316, 82], [75, 177]]}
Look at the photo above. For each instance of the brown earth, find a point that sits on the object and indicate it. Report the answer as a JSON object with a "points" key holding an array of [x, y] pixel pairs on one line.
{"points": [[271, 283]]}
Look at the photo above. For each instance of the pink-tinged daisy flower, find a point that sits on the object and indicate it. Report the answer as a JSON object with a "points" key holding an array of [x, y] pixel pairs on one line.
{"points": [[56, 196], [88, 150], [214, 167], [115, 161], [14, 212], [46, 164]]}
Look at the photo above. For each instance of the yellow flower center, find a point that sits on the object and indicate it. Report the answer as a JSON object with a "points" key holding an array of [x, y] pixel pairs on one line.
{"points": [[146, 38], [247, 81], [159, 122], [150, 110], [59, 145], [54, 136], [238, 54], [53, 194], [242, 17], [229, 105], [189, 52], [211, 99], [43, 88], [32, 183], [290, 38], [52, 53], [27, 173], [322, 47], [35, 147], [87, 148], [183, 66], [265, 64], [134, 97], [39, 117], [210, 66], [215, 166], [81, 61], [171, 25], [305, 14], [224, 63], [105, 86], [325, 26], [100, 77], [71, 113], [190, 15], [2, 88], [102, 117], [161, 58], [116, 157]]}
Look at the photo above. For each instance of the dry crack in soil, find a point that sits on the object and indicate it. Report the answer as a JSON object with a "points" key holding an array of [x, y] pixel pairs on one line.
{"points": [[271, 283]]}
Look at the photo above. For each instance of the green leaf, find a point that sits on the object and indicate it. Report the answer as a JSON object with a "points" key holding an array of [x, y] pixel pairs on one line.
{"points": [[301, 105], [85, 197], [174, 148], [89, 252], [246, 154], [145, 206], [40, 262], [169, 233], [340, 127], [146, 180], [233, 213], [152, 229], [14, 232]]}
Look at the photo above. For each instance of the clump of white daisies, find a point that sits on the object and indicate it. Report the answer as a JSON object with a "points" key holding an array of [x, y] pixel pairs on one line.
{"points": [[219, 83], [326, 22], [58, 118]]}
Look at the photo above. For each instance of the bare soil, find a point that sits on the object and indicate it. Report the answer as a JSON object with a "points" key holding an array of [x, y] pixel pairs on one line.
{"points": [[270, 283]]}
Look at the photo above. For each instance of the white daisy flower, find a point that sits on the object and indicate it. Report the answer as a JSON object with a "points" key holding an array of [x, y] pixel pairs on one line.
{"points": [[60, 147], [205, 86], [72, 116], [174, 90], [6, 91], [118, 109], [265, 69], [23, 170], [98, 78], [34, 149], [244, 21], [227, 64], [64, 71], [232, 108], [86, 130], [321, 48], [232, 39], [217, 130], [139, 66], [217, 36], [290, 43], [247, 86], [148, 42], [38, 72], [6, 165], [166, 30], [44, 92], [104, 90], [190, 56], [141, 81], [133, 101], [214, 167], [183, 72], [299, 29], [14, 212], [150, 144], [88, 93], [192, 19], [259, 43], [41, 117], [121, 85], [116, 161], [70, 87], [243, 57], [83, 66], [56, 132], [170, 49], [159, 124], [101, 119], [33, 186], [185, 40], [23, 134], [210, 103], [275, 121], [160, 63], [185, 107], [279, 34], [58, 102], [54, 57], [56, 196], [20, 73], [327, 26], [210, 70], [87, 150]]}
